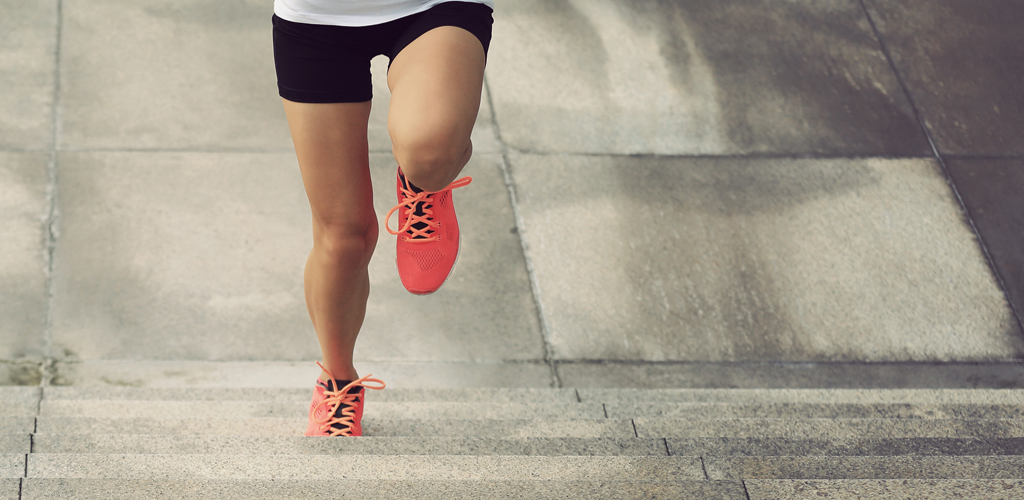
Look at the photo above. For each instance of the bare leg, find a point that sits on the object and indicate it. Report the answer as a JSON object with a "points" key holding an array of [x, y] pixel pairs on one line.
{"points": [[330, 142], [435, 84]]}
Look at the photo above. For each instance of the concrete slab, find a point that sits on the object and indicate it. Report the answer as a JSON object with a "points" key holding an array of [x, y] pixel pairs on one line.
{"points": [[12, 465], [101, 489], [582, 428], [790, 375], [991, 189], [697, 77], [725, 446], [285, 374], [736, 468], [442, 467], [738, 259], [936, 489], [961, 61], [199, 256], [809, 396], [810, 410], [10, 489], [390, 395], [300, 409], [24, 372], [24, 213], [868, 428], [15, 443], [169, 76], [16, 425], [28, 34], [296, 445]]}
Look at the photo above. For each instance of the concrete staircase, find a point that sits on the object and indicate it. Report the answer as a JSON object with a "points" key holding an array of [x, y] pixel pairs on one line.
{"points": [[113, 442]]}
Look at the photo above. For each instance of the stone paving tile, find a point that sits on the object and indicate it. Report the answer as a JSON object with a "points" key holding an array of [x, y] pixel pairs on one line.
{"points": [[858, 489], [200, 255], [857, 446], [791, 375], [991, 190], [962, 61], [390, 395], [736, 468], [866, 428], [28, 35], [10, 489], [100, 489], [24, 208], [169, 75], [739, 259], [12, 465], [15, 443], [808, 396], [696, 77]]}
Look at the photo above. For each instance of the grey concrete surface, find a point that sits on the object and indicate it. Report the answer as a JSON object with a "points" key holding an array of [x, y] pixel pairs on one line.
{"points": [[297, 445], [441, 467], [963, 467], [726, 446], [16, 425], [21, 372], [15, 443], [870, 428], [488, 395], [295, 374], [12, 465], [10, 489], [430, 490], [962, 64], [699, 77], [509, 428], [727, 259], [605, 374], [260, 409], [170, 256], [24, 208], [808, 396], [812, 410], [861, 489], [28, 35]]}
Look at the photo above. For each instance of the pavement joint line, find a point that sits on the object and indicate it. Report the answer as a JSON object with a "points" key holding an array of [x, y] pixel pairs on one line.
{"points": [[704, 468], [942, 165], [506, 167], [668, 452], [745, 492]]}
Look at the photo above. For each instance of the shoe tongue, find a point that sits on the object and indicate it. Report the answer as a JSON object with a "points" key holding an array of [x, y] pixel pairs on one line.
{"points": [[329, 385], [418, 207]]}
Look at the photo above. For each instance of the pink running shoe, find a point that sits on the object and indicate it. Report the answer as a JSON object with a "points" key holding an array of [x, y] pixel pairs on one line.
{"points": [[428, 241], [338, 412]]}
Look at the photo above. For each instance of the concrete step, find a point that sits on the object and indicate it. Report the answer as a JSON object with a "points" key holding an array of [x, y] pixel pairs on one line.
{"points": [[18, 401], [705, 410], [10, 489], [760, 446], [806, 396], [124, 489], [16, 425], [856, 428], [298, 445], [12, 465], [851, 489], [15, 443], [496, 395], [394, 467], [371, 427], [908, 467], [259, 409]]}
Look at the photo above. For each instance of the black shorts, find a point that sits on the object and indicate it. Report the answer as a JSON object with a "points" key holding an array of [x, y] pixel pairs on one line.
{"points": [[325, 63]]}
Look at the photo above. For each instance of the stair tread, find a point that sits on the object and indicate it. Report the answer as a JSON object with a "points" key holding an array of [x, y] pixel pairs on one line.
{"points": [[949, 396], [119, 489], [15, 443], [903, 467], [12, 465], [448, 467], [478, 395], [857, 489], [829, 428], [853, 446]]}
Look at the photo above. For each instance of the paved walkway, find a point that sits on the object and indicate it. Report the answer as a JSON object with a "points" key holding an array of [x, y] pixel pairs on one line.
{"points": [[700, 193]]}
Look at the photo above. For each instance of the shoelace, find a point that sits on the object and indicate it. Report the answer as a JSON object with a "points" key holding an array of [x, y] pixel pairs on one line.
{"points": [[339, 397], [410, 199]]}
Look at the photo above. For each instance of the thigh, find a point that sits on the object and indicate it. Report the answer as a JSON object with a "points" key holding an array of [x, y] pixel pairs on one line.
{"points": [[436, 82], [331, 146]]}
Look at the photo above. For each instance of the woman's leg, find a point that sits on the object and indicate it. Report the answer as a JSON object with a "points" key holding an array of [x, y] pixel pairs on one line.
{"points": [[330, 142], [435, 83]]}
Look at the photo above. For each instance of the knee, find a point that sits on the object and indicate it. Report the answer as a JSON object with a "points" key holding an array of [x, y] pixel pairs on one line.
{"points": [[431, 162], [346, 243]]}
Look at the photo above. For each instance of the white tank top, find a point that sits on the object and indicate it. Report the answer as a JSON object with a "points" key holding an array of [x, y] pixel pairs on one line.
{"points": [[354, 12]]}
